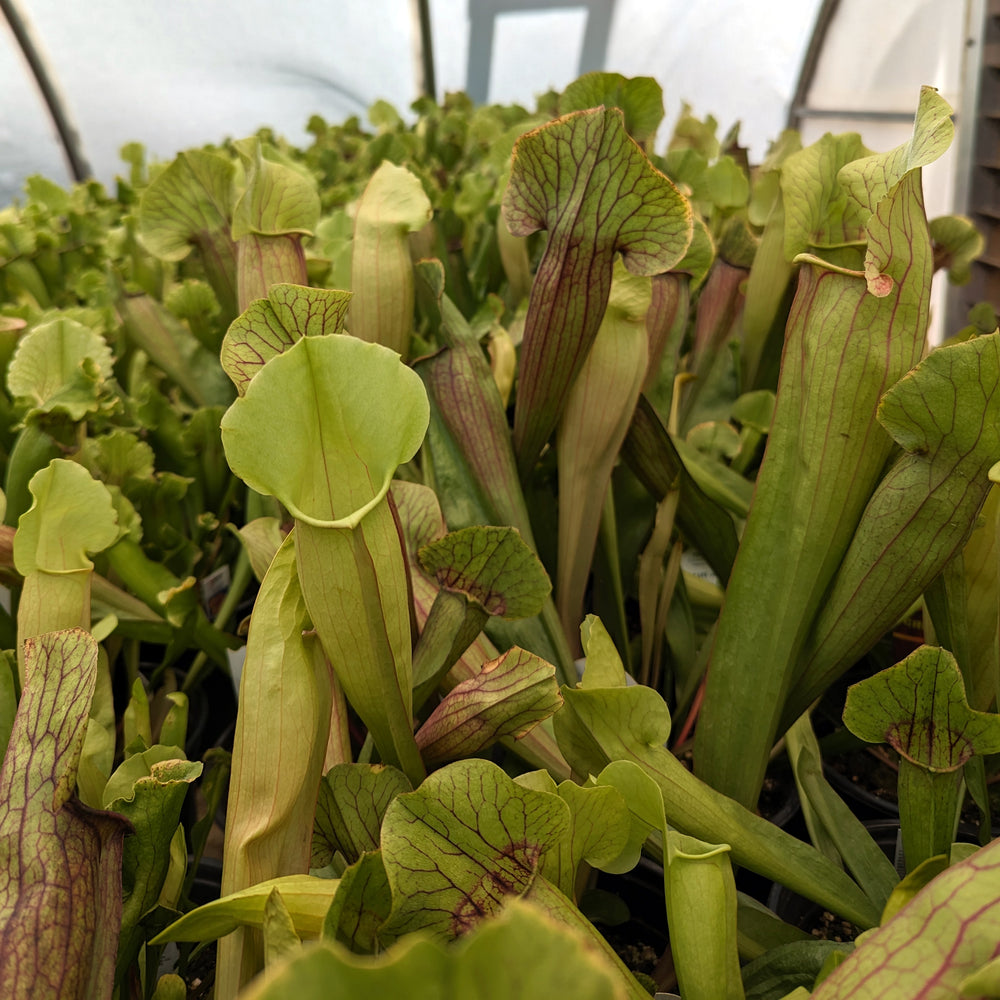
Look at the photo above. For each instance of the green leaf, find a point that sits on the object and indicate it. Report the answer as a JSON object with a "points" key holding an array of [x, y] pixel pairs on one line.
{"points": [[508, 697], [492, 566], [695, 134], [334, 242], [355, 587], [640, 98], [174, 725], [97, 758], [727, 183], [450, 624], [8, 698], [280, 196], [148, 789], [645, 804], [792, 966], [769, 287], [420, 517], [265, 261], [587, 182], [136, 725], [60, 366], [604, 665], [353, 406], [361, 906], [522, 953], [945, 415], [912, 883], [306, 898], [279, 206], [58, 857], [919, 707], [652, 455], [467, 838], [118, 457], [353, 799], [701, 915], [699, 887], [472, 461], [959, 242], [190, 203], [71, 516], [830, 820], [280, 938], [340, 403], [870, 179], [981, 564], [195, 302], [392, 205], [984, 981], [715, 440], [593, 426], [469, 438], [845, 346], [818, 211], [598, 725], [601, 834], [170, 987], [174, 349], [192, 300], [268, 327], [760, 930], [261, 538], [945, 934], [718, 481], [278, 748]]}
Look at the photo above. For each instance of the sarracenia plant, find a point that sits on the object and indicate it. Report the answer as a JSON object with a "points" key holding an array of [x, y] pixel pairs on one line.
{"points": [[321, 388], [810, 589], [341, 575], [405, 630]]}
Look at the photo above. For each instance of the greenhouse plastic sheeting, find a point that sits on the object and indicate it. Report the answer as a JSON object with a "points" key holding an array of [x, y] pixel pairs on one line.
{"points": [[179, 74]]}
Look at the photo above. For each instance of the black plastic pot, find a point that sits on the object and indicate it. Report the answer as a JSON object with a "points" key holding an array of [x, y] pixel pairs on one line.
{"points": [[865, 803]]}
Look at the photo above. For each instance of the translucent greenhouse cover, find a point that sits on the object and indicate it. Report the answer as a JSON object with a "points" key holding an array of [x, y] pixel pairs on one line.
{"points": [[182, 73]]}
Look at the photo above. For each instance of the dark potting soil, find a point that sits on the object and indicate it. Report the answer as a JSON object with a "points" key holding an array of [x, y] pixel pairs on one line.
{"points": [[200, 974]]}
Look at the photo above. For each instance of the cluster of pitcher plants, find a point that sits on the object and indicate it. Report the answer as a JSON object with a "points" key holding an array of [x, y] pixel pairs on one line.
{"points": [[538, 451]]}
